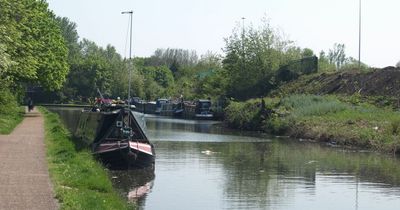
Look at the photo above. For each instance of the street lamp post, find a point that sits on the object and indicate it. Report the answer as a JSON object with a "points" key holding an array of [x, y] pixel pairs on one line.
{"points": [[130, 57], [359, 35], [243, 53]]}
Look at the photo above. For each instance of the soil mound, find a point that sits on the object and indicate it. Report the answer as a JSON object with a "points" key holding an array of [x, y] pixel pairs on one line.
{"points": [[376, 82], [382, 82]]}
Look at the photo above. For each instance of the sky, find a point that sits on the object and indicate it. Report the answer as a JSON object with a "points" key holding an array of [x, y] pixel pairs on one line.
{"points": [[202, 25]]}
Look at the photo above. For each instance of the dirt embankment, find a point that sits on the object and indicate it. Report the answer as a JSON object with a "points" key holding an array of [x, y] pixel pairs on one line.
{"points": [[375, 83], [383, 82]]}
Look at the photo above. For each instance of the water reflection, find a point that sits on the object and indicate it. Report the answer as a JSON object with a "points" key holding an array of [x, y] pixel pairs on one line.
{"points": [[271, 175], [201, 165], [133, 184]]}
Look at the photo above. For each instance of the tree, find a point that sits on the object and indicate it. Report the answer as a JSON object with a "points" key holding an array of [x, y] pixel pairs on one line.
{"points": [[70, 34], [173, 58], [307, 52], [323, 63], [34, 42], [92, 71], [5, 62], [398, 64], [337, 55], [210, 60], [210, 80], [352, 63], [252, 59]]}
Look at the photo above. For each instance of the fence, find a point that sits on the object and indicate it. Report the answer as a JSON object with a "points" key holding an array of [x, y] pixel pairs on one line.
{"points": [[296, 68]]}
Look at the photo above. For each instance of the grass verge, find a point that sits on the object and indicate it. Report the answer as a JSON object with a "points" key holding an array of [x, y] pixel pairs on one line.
{"points": [[323, 118], [9, 120], [80, 182]]}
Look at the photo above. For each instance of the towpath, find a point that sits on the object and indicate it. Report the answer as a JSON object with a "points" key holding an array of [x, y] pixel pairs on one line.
{"points": [[24, 176]]}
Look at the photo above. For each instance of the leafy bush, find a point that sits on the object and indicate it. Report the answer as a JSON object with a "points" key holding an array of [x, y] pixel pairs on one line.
{"points": [[395, 126], [8, 102], [244, 115], [10, 111], [277, 125]]}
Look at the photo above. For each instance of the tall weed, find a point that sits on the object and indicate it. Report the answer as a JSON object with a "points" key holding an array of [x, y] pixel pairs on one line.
{"points": [[312, 105]]}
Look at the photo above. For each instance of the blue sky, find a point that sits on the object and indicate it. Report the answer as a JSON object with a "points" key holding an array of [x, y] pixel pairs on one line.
{"points": [[202, 25]]}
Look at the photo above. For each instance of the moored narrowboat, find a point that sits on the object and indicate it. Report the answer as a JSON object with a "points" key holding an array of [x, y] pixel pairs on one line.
{"points": [[115, 136], [203, 109]]}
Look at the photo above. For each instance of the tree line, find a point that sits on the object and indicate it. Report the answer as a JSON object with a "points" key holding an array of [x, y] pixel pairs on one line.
{"points": [[32, 49], [39, 49], [248, 69]]}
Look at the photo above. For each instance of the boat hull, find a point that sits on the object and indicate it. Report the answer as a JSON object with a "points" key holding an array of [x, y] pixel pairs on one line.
{"points": [[205, 116], [126, 154]]}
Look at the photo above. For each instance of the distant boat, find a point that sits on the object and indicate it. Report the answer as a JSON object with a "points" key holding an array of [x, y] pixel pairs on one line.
{"points": [[160, 103], [179, 108], [116, 137], [178, 112], [203, 109]]}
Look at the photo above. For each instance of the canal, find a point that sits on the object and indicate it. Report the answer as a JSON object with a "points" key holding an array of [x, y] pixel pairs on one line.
{"points": [[201, 165]]}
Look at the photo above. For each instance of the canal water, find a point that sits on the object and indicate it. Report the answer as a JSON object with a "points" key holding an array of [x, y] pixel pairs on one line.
{"points": [[201, 165]]}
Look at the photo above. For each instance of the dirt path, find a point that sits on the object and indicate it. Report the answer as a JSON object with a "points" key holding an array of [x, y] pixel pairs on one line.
{"points": [[24, 176]]}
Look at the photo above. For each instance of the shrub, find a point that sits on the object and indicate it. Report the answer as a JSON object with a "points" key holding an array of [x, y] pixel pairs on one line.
{"points": [[277, 125], [395, 126], [244, 115], [8, 102]]}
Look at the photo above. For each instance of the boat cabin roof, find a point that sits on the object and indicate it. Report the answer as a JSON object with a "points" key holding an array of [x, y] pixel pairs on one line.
{"points": [[204, 101]]}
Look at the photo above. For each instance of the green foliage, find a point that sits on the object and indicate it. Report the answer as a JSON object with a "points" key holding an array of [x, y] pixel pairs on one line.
{"points": [[211, 77], [160, 74], [34, 43], [323, 63], [8, 102], [213, 85], [337, 55], [248, 115], [96, 68], [326, 118], [252, 58], [351, 64], [5, 60], [294, 69], [80, 182], [277, 125], [395, 126], [337, 58], [322, 118], [312, 105], [11, 114], [307, 52], [173, 58], [70, 35]]}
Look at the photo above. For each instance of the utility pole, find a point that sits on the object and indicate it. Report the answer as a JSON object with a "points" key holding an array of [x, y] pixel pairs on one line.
{"points": [[243, 54], [359, 35], [130, 57]]}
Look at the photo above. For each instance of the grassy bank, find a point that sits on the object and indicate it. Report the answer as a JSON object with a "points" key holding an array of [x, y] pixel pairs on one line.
{"points": [[10, 119], [80, 182], [321, 118]]}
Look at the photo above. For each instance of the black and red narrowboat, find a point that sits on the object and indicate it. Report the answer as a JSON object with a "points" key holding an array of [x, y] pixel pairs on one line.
{"points": [[116, 137]]}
